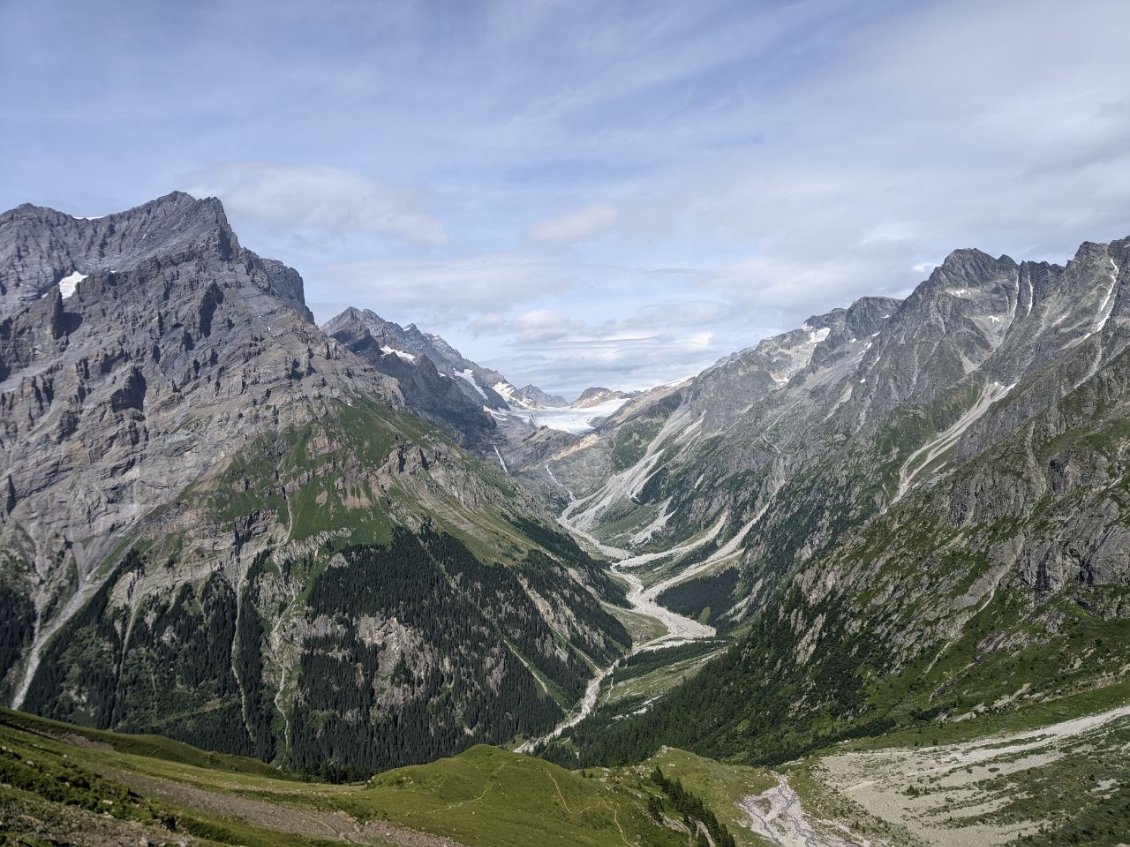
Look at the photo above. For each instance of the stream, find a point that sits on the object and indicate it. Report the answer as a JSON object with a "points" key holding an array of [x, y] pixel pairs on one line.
{"points": [[680, 629]]}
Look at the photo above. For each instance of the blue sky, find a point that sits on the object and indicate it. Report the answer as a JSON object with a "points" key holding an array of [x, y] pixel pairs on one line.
{"points": [[584, 192]]}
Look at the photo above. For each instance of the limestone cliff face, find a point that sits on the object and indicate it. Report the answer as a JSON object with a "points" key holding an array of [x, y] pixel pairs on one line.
{"points": [[41, 248]]}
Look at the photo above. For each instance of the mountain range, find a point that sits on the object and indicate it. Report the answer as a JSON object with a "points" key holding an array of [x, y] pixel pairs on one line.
{"points": [[348, 548]]}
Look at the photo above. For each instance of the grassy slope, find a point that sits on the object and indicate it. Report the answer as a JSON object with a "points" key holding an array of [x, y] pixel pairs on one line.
{"points": [[145, 746], [491, 796], [488, 796], [720, 786], [329, 464], [485, 796]]}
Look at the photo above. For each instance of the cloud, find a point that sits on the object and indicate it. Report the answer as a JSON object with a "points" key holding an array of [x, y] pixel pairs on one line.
{"points": [[478, 288], [301, 197], [635, 362], [542, 325], [584, 223]]}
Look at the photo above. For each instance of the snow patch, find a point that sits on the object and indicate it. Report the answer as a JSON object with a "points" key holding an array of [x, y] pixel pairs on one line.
{"points": [[510, 394], [469, 377], [797, 358], [67, 284], [392, 351]]}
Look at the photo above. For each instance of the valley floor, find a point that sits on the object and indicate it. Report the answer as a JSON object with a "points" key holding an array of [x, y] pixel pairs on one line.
{"points": [[1064, 782], [779, 817], [991, 790]]}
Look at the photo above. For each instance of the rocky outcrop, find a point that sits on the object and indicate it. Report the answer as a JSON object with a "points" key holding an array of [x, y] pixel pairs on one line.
{"points": [[597, 395], [534, 397]]}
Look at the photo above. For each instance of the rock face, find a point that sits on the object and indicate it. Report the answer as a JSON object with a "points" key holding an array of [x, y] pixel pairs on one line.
{"points": [[39, 247], [171, 349], [914, 496], [596, 395], [838, 419], [481, 386], [200, 492]]}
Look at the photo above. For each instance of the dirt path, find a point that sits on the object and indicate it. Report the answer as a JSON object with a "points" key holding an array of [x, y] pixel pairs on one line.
{"points": [[280, 817]]}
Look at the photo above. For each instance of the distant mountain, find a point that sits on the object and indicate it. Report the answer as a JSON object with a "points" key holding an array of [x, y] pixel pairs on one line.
{"points": [[451, 391], [223, 525], [596, 396], [533, 396], [476, 382], [483, 386]]}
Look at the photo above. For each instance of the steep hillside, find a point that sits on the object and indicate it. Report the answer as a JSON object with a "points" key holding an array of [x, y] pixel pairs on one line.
{"points": [[221, 524]]}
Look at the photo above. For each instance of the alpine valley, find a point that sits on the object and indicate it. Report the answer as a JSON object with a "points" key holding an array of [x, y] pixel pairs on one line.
{"points": [[264, 582]]}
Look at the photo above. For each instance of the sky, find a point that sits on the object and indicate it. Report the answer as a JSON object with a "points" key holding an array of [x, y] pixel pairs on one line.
{"points": [[585, 192]]}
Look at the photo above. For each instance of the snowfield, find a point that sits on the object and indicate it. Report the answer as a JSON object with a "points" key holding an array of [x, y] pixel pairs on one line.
{"points": [[67, 284], [567, 419]]}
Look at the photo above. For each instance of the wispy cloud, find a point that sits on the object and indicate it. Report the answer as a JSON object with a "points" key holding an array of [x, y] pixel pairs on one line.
{"points": [[444, 292], [298, 197]]}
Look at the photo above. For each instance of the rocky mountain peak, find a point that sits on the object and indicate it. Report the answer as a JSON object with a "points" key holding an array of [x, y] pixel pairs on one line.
{"points": [[535, 397], [475, 382], [164, 320], [970, 265], [41, 248], [596, 395]]}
